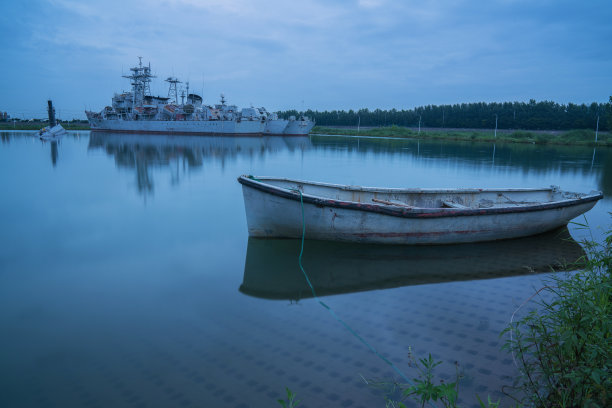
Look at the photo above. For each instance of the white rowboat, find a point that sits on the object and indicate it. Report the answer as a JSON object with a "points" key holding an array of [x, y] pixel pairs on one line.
{"points": [[274, 209]]}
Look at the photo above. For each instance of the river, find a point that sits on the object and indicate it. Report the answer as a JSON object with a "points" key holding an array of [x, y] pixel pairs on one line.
{"points": [[127, 278]]}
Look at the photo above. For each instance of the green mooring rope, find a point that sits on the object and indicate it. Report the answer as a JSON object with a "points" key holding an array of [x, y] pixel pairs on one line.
{"points": [[252, 177], [314, 294]]}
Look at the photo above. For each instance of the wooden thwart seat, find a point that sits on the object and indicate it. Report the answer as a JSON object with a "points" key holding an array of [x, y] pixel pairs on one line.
{"points": [[451, 204], [396, 203]]}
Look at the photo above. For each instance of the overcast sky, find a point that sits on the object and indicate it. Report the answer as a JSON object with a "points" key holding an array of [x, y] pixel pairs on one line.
{"points": [[317, 54]]}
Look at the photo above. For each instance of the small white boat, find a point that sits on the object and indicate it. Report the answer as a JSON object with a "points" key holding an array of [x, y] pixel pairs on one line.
{"points": [[52, 133], [334, 212], [54, 130]]}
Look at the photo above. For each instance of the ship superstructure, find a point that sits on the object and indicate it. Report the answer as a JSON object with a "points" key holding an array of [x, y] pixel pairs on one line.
{"points": [[137, 111]]}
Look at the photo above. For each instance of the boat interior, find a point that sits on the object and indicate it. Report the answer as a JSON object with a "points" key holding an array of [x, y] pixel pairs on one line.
{"points": [[426, 198]]}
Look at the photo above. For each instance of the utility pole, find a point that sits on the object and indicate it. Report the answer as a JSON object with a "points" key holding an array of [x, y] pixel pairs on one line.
{"points": [[597, 129], [419, 124], [358, 122], [496, 126]]}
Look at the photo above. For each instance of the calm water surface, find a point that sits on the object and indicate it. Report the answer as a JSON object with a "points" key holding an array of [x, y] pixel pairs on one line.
{"points": [[127, 278]]}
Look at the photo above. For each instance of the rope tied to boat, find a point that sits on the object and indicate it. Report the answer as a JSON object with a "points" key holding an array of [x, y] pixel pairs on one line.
{"points": [[252, 177], [331, 311]]}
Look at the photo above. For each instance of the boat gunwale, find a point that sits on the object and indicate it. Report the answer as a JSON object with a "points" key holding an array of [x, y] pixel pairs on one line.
{"points": [[259, 183]]}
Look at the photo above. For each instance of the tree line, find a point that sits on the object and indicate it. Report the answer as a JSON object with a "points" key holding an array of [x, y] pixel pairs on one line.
{"points": [[532, 115]]}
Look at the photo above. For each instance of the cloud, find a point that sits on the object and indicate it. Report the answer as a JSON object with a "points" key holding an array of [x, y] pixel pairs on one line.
{"points": [[337, 54], [370, 3]]}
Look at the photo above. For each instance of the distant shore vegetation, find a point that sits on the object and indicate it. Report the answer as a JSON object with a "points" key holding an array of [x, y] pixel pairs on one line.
{"points": [[532, 115]]}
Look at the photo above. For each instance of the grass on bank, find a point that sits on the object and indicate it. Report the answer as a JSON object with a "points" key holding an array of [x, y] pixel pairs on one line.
{"points": [[563, 348], [573, 137]]}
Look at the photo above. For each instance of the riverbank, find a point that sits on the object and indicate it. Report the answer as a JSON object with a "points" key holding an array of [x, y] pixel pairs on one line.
{"points": [[40, 125], [582, 137]]}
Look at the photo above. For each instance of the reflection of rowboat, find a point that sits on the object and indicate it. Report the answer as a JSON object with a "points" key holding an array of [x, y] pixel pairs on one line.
{"points": [[404, 216], [271, 268]]}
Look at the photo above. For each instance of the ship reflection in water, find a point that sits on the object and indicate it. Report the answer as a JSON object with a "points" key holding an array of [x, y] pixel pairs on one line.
{"points": [[144, 152], [54, 152], [271, 268]]}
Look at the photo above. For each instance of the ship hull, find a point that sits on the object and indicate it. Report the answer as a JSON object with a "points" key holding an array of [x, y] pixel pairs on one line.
{"points": [[298, 127], [187, 127], [275, 126]]}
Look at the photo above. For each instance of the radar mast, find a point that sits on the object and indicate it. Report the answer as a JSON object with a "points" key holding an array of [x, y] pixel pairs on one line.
{"points": [[140, 79], [172, 91]]}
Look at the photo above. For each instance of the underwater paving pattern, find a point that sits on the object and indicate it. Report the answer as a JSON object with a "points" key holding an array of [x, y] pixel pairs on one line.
{"points": [[299, 345]]}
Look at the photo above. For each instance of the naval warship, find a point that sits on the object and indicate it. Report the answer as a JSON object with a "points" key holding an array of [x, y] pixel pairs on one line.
{"points": [[137, 111]]}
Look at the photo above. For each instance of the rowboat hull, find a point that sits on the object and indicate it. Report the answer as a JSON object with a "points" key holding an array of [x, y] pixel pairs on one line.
{"points": [[276, 211]]}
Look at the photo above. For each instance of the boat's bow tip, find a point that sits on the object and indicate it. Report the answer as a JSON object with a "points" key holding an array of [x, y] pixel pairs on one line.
{"points": [[248, 178], [596, 194]]}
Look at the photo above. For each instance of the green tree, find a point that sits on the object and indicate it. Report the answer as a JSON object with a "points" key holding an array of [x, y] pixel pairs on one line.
{"points": [[545, 115]]}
